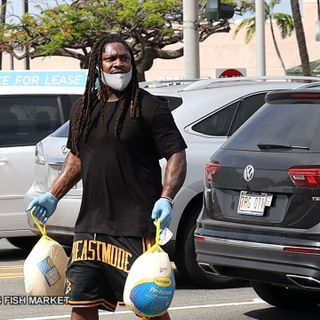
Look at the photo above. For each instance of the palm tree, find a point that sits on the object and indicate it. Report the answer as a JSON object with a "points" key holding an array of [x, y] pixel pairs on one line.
{"points": [[284, 22], [301, 39]]}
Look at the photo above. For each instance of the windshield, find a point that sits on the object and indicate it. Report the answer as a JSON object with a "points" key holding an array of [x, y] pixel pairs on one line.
{"points": [[280, 126]]}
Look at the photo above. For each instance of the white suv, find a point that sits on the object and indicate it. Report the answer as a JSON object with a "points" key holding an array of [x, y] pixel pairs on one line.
{"points": [[207, 112], [32, 105]]}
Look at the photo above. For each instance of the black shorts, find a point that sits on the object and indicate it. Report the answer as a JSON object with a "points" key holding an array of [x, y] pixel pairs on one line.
{"points": [[98, 268]]}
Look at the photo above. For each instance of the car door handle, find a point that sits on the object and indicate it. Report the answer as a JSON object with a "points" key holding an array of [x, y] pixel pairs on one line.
{"points": [[3, 160]]}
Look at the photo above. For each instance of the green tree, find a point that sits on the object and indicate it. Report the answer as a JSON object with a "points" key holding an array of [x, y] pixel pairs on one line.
{"points": [[70, 30], [3, 10], [301, 39], [283, 21]]}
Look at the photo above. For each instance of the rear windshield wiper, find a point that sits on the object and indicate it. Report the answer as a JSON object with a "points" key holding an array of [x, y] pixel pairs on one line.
{"points": [[280, 146]]}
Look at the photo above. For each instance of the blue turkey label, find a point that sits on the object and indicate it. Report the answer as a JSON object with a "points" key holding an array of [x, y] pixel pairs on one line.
{"points": [[49, 271]]}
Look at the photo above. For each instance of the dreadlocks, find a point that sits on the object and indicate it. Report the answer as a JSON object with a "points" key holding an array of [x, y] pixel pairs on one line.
{"points": [[92, 94]]}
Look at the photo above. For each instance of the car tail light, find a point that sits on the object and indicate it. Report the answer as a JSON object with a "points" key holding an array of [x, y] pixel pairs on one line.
{"points": [[301, 250], [305, 95], [199, 238], [39, 156], [305, 177], [210, 169]]}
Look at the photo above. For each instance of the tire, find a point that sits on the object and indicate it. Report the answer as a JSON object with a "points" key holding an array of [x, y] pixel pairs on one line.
{"points": [[284, 297], [185, 257], [24, 243]]}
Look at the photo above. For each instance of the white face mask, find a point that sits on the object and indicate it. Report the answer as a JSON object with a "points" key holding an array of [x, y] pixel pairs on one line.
{"points": [[116, 81]]}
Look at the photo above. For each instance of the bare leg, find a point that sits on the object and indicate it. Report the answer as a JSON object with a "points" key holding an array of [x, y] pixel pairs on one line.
{"points": [[84, 314], [162, 317]]}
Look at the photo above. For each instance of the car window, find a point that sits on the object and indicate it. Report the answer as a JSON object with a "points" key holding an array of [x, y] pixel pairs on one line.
{"points": [[67, 101], [74, 98], [24, 120], [227, 120], [248, 106], [217, 124], [172, 102], [286, 124]]}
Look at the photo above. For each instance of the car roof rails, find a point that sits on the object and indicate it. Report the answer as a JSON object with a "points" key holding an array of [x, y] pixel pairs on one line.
{"points": [[218, 82], [166, 83]]}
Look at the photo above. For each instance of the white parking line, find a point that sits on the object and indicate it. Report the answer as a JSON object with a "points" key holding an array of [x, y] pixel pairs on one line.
{"points": [[217, 305]]}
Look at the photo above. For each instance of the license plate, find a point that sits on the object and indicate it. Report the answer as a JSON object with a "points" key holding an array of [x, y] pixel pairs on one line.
{"points": [[252, 203]]}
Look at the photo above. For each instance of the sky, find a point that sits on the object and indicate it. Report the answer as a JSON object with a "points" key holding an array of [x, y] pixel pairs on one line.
{"points": [[16, 6], [284, 7]]}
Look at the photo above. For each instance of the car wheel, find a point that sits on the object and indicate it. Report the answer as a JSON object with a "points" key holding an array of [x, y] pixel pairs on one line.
{"points": [[25, 243], [185, 257], [284, 297]]}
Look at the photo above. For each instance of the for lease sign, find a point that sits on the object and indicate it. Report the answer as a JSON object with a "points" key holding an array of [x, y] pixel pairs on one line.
{"points": [[73, 78]]}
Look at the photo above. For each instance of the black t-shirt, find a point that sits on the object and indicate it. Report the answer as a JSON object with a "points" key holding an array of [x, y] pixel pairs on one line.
{"points": [[121, 175]]}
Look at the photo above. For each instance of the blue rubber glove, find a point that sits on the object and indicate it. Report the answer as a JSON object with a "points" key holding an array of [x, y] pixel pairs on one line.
{"points": [[162, 210], [43, 206]]}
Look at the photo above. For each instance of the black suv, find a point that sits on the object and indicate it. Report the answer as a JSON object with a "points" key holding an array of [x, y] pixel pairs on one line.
{"points": [[261, 215]]}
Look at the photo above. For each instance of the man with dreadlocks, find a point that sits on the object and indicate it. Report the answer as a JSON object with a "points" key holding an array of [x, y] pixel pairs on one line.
{"points": [[118, 133]]}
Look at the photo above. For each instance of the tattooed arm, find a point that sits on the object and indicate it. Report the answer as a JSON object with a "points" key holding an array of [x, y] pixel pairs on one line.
{"points": [[69, 176], [173, 179], [175, 174]]}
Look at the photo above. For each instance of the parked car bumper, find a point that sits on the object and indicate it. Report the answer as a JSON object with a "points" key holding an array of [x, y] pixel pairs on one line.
{"points": [[259, 261]]}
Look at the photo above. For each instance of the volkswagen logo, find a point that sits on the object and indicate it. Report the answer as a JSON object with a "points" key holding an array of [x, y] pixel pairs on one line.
{"points": [[248, 172]]}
